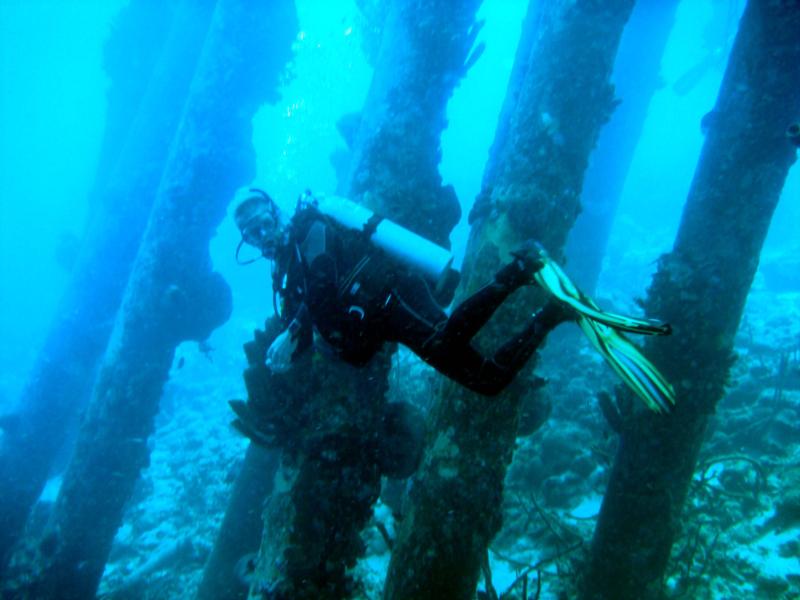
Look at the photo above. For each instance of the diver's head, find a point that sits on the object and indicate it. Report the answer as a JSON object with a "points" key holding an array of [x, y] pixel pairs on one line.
{"points": [[259, 221]]}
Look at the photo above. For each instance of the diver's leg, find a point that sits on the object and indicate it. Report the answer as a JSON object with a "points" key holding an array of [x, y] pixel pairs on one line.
{"points": [[515, 353], [473, 313], [460, 361], [490, 376], [468, 367], [429, 335]]}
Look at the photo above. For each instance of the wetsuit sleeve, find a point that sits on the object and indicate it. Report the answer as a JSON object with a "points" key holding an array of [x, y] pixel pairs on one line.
{"points": [[309, 277], [294, 314], [319, 289], [301, 329]]}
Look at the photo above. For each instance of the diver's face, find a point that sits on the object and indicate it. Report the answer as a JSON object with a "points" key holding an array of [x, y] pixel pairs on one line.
{"points": [[263, 232]]}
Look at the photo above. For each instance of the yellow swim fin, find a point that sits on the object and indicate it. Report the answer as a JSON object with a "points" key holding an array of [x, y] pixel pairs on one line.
{"points": [[553, 279], [634, 369], [600, 327]]}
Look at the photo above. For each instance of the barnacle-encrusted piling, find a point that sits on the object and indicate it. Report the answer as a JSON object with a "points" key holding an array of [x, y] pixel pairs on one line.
{"points": [[558, 99], [172, 295], [701, 288]]}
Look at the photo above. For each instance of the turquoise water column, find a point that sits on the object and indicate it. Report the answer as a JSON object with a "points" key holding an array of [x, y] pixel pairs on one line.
{"points": [[637, 77], [150, 58]]}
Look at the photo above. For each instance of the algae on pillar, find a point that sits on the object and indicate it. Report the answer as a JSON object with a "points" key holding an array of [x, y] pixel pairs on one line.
{"points": [[150, 73], [557, 103], [394, 169], [700, 288], [172, 296]]}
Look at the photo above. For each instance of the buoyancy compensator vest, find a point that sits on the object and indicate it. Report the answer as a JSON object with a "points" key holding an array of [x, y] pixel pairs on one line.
{"points": [[415, 252]]}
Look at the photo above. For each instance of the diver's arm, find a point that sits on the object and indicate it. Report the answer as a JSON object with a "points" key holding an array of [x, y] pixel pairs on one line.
{"points": [[312, 278], [292, 342], [301, 328]]}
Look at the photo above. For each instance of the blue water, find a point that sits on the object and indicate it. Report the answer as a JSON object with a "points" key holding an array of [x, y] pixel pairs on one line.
{"points": [[52, 111]]}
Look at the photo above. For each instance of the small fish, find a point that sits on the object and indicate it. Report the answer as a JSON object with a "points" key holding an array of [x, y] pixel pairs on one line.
{"points": [[793, 133]]}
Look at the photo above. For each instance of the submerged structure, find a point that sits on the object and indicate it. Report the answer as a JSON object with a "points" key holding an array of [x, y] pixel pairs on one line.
{"points": [[701, 287], [145, 100], [332, 420], [390, 467], [172, 295]]}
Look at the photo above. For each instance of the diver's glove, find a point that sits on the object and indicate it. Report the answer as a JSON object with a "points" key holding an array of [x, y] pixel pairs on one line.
{"points": [[601, 328], [280, 352]]}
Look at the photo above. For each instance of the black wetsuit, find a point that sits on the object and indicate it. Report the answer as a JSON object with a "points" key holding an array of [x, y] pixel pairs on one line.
{"points": [[334, 282]]}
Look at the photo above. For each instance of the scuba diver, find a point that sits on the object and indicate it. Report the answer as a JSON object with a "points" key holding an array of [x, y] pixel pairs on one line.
{"points": [[346, 281], [345, 295], [349, 281]]}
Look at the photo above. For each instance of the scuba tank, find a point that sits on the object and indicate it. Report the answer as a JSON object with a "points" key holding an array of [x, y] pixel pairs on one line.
{"points": [[430, 260]]}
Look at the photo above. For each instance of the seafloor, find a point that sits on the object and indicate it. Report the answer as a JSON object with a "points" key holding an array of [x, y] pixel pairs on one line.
{"points": [[740, 531]]}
